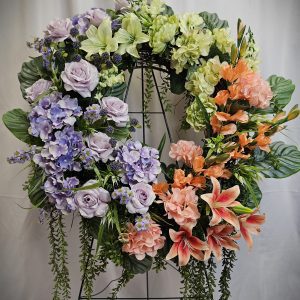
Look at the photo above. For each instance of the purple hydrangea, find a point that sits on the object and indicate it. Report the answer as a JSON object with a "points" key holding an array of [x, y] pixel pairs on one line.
{"points": [[140, 164], [53, 112], [87, 158], [60, 154], [60, 193]]}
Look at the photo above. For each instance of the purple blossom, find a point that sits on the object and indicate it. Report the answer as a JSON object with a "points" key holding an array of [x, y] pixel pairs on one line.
{"points": [[53, 112], [142, 222], [92, 113], [59, 29], [140, 164], [96, 16], [92, 202], [123, 194], [81, 23], [81, 77], [87, 158], [60, 154], [38, 88], [59, 192], [21, 156]]}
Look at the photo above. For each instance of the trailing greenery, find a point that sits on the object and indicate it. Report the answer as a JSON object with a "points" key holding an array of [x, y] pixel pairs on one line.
{"points": [[148, 94], [58, 256], [229, 258], [123, 280]]}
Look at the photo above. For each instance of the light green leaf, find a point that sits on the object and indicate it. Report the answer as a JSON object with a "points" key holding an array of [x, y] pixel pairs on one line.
{"points": [[282, 90], [162, 144], [17, 123], [282, 161]]}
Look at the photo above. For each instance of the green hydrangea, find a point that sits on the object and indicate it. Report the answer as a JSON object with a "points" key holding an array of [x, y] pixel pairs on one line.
{"points": [[197, 112], [190, 21], [153, 9], [205, 78], [190, 47], [223, 39], [162, 32]]}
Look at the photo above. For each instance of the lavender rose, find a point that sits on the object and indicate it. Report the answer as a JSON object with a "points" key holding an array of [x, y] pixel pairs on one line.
{"points": [[96, 16], [117, 110], [100, 145], [92, 203], [121, 5], [143, 197], [59, 29], [81, 77], [38, 88]]}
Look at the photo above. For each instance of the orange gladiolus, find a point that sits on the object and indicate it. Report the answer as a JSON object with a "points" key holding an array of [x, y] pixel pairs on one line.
{"points": [[198, 164], [217, 171], [222, 97], [180, 180], [231, 73], [160, 188]]}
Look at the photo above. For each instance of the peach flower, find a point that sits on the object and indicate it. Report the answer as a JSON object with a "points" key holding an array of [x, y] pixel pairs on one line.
{"points": [[140, 243], [185, 151], [181, 205]]}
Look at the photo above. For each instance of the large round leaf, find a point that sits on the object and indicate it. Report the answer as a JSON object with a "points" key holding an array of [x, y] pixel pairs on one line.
{"points": [[212, 20], [282, 161]]}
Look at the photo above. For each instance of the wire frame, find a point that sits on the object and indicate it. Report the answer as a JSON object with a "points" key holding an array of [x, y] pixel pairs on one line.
{"points": [[145, 62]]}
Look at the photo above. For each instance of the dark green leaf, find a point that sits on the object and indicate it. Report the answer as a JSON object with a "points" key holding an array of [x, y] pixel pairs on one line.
{"points": [[117, 90], [31, 71], [177, 82], [137, 266], [36, 193], [282, 161], [162, 145], [212, 21], [282, 90], [17, 123], [94, 225]]}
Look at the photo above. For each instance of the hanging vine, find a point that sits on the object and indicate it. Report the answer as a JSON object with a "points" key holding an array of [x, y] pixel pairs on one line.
{"points": [[58, 256], [148, 92], [229, 257]]}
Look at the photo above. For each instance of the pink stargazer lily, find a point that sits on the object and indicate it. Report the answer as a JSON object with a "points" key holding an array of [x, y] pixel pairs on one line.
{"points": [[219, 201], [218, 237], [185, 245], [250, 224]]}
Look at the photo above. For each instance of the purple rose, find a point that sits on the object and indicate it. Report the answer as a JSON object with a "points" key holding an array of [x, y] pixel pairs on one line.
{"points": [[38, 88], [59, 29], [81, 77], [96, 16], [121, 5], [100, 145], [94, 202], [117, 110], [143, 197]]}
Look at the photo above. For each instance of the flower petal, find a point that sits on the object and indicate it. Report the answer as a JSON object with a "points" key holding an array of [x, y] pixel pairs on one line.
{"points": [[197, 243], [229, 195], [216, 187], [173, 251], [229, 216], [183, 254], [176, 236]]}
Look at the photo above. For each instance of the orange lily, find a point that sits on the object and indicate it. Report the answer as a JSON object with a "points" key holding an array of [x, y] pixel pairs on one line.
{"points": [[231, 73], [185, 245], [220, 201], [250, 224], [218, 237]]}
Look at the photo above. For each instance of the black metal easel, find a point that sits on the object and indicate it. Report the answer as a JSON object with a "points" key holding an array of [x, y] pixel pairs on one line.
{"points": [[145, 62]]}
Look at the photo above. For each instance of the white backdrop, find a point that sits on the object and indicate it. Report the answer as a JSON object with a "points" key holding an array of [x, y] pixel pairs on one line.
{"points": [[270, 271]]}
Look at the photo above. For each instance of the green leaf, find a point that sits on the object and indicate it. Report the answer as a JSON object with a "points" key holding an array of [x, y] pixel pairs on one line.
{"points": [[94, 225], [36, 193], [282, 90], [137, 266], [282, 161], [162, 144], [177, 82], [252, 195], [17, 123], [212, 20], [117, 90], [31, 71]]}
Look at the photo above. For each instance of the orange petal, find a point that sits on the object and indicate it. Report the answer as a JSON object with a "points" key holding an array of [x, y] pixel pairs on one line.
{"points": [[215, 247], [240, 116], [198, 164], [160, 188], [246, 236], [197, 254], [176, 236], [199, 182], [228, 129], [221, 116], [222, 97], [197, 243]]}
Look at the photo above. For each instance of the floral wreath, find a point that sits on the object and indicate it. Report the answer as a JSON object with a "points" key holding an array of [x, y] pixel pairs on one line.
{"points": [[84, 162]]}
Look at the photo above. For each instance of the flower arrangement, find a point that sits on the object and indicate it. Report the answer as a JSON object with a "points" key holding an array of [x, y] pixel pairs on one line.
{"points": [[85, 162]]}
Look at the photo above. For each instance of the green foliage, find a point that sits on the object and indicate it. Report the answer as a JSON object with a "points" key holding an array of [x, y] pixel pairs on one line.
{"points": [[164, 90], [177, 82], [122, 282], [117, 90], [212, 21], [31, 71], [159, 263], [229, 258], [17, 123], [198, 280], [281, 162], [136, 266], [148, 92], [58, 256], [34, 185], [162, 144], [282, 90]]}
